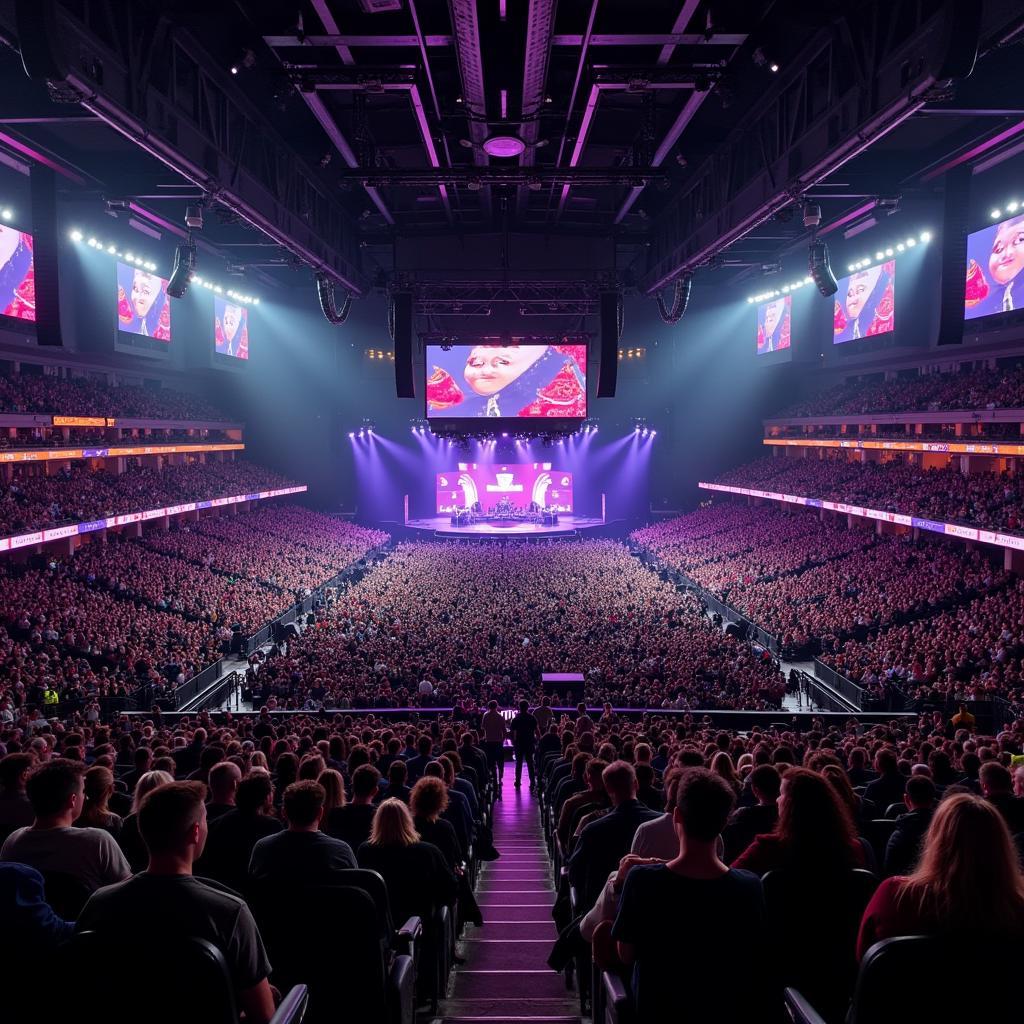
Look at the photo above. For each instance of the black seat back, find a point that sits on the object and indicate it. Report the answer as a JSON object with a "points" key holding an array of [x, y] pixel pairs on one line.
{"points": [[323, 937], [160, 982], [65, 893], [816, 920], [877, 832], [373, 884], [930, 978]]}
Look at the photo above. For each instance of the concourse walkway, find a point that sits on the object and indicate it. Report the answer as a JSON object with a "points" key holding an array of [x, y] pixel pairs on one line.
{"points": [[506, 978]]}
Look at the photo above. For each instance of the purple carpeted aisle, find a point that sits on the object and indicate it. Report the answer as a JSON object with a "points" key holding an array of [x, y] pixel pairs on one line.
{"points": [[506, 977]]}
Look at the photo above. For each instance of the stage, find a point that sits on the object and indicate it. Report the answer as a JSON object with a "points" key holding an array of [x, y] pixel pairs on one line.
{"points": [[568, 526]]}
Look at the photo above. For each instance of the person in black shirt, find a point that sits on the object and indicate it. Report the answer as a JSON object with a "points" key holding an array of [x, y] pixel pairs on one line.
{"points": [[172, 820], [904, 846], [675, 918], [748, 822], [523, 728], [233, 835], [352, 822], [302, 850]]}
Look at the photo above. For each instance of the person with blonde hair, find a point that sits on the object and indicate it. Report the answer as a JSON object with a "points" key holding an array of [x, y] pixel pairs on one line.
{"points": [[417, 877], [967, 882], [130, 839], [99, 788]]}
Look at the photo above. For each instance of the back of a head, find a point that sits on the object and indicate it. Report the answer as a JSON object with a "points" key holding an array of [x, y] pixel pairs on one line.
{"points": [[619, 781], [524, 707], [303, 803], [968, 877], [579, 765], [815, 826], [12, 769], [429, 798], [920, 791], [224, 779], [146, 784], [424, 745], [168, 814], [364, 781], [995, 779], [393, 825], [52, 784], [766, 782], [253, 792], [398, 772], [704, 801], [886, 761]]}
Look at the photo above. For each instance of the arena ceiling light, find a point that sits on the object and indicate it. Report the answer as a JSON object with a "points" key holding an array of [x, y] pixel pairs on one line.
{"points": [[6, 214], [887, 252], [127, 256], [504, 145], [232, 293], [1011, 206], [782, 290]]}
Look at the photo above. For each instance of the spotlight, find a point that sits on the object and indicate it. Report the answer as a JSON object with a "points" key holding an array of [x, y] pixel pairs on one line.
{"points": [[879, 255], [852, 267], [996, 214], [351, 433], [820, 270], [7, 213], [111, 249], [653, 433], [911, 242], [900, 247], [93, 242], [888, 252], [926, 236], [76, 235], [181, 273], [1012, 206], [773, 67]]}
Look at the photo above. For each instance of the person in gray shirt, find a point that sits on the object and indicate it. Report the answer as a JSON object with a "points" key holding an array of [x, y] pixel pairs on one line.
{"points": [[302, 853]]}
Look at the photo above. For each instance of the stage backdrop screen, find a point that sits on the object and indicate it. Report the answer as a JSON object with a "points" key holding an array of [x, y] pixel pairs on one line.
{"points": [[230, 328], [520, 484], [773, 323], [17, 274], [865, 303], [510, 382], [143, 306], [995, 269]]}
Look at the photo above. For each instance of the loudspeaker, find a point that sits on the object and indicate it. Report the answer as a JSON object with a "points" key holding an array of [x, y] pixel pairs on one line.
{"points": [[953, 256], [181, 271], [608, 370], [401, 318], [43, 185], [42, 55], [820, 269]]}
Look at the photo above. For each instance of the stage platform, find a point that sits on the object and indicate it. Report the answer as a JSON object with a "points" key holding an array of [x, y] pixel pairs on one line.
{"points": [[568, 526]]}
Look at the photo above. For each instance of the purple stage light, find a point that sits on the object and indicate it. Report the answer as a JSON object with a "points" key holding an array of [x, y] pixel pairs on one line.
{"points": [[504, 435], [653, 432], [351, 433]]}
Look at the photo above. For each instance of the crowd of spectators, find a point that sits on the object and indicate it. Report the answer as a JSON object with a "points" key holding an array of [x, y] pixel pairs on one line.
{"points": [[81, 396], [666, 826], [1001, 388], [31, 500], [286, 548], [92, 437], [118, 619], [994, 501], [442, 623]]}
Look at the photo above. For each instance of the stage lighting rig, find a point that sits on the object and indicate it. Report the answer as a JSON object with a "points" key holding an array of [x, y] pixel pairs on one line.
{"points": [[328, 305], [885, 252]]}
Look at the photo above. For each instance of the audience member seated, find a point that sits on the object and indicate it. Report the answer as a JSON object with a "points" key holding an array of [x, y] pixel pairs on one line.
{"points": [[353, 821], [814, 835], [761, 817], [130, 839], [301, 851], [15, 808], [904, 846], [417, 877], [172, 820], [674, 919], [603, 843], [88, 857], [997, 788], [968, 883], [222, 782]]}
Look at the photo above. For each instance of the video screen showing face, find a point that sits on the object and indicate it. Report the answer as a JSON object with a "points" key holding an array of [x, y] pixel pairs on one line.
{"points": [[17, 274], [230, 328], [507, 381], [504, 488], [865, 304], [143, 306], [773, 323], [995, 269]]}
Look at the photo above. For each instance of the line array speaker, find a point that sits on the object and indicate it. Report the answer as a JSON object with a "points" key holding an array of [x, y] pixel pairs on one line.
{"points": [[405, 385], [610, 306]]}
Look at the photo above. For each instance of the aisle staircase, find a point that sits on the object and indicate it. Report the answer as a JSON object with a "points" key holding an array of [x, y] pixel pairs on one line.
{"points": [[506, 979]]}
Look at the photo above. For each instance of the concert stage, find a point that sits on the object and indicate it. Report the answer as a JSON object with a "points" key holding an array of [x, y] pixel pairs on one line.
{"points": [[568, 525]]}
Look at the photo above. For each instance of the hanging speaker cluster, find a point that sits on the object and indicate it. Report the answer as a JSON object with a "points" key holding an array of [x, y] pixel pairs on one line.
{"points": [[328, 303], [182, 270], [820, 269]]}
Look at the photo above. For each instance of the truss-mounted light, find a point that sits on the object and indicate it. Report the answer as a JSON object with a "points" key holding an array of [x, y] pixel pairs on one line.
{"points": [[504, 146]]}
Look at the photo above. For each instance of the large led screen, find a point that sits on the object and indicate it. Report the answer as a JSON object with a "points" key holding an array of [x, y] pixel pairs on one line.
{"points": [[773, 323], [995, 269], [507, 382], [17, 274], [865, 303], [230, 328], [504, 487], [143, 306]]}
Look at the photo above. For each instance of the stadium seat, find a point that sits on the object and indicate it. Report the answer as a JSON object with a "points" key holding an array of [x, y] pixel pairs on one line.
{"points": [[923, 979], [815, 921], [157, 982], [320, 936]]}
